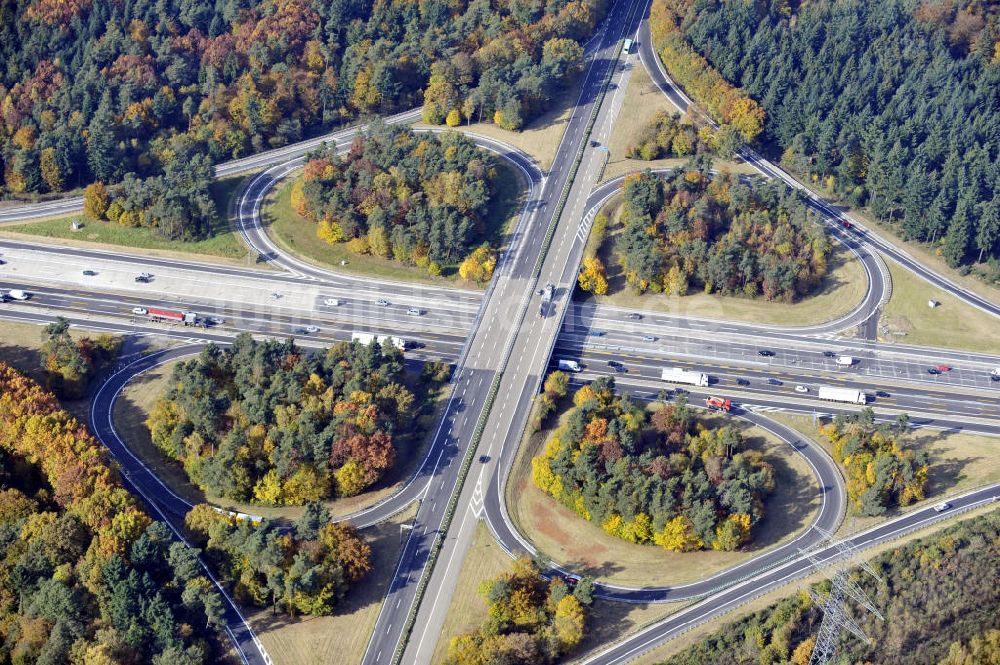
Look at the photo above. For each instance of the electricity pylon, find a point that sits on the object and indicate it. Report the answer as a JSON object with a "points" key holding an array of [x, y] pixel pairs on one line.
{"points": [[836, 617]]}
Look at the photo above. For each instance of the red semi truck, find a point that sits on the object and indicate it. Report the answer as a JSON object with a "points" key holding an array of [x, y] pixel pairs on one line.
{"points": [[718, 403], [178, 316]]}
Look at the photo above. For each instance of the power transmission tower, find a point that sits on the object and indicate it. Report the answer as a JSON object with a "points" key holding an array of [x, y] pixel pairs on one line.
{"points": [[836, 617]]}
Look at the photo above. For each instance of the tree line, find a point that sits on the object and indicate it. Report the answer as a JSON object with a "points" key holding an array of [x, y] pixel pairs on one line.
{"points": [[719, 235], [268, 423], [882, 471], [95, 89], [421, 199], [531, 620], [306, 571], [667, 479], [85, 575], [888, 105], [937, 609]]}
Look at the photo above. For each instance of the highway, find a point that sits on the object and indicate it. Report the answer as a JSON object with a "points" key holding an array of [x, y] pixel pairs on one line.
{"points": [[501, 342], [682, 102], [741, 591]]}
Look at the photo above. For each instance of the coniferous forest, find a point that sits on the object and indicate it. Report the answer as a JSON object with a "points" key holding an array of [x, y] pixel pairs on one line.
{"points": [[93, 89], [893, 105]]}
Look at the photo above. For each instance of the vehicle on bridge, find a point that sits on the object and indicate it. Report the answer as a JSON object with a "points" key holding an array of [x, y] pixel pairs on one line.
{"points": [[547, 293], [719, 404], [569, 365], [846, 395], [175, 315], [368, 338], [18, 294], [845, 361], [995, 374], [681, 375]]}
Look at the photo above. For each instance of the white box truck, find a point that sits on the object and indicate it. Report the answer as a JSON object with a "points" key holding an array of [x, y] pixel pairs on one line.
{"points": [[680, 375], [845, 361], [569, 365], [18, 294], [846, 395], [368, 338]]}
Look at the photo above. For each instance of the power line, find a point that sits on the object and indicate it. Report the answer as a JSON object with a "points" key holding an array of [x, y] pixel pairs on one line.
{"points": [[836, 615]]}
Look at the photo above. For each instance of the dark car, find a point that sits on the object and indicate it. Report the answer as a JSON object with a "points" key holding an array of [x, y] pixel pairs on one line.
{"points": [[829, 354], [881, 393], [742, 381], [616, 366], [774, 382], [142, 278], [933, 371], [89, 273], [765, 353], [634, 317]]}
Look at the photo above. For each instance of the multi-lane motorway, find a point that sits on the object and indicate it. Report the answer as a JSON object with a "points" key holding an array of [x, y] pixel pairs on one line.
{"points": [[501, 346]]}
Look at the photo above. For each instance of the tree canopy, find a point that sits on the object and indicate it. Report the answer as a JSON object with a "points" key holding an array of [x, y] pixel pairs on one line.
{"points": [[95, 89], [720, 235], [668, 480], [85, 575], [266, 422], [418, 198], [532, 621], [891, 105]]}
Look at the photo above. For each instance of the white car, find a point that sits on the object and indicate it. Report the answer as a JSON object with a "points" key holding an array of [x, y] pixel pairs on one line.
{"points": [[414, 311], [801, 389], [382, 302], [140, 311], [18, 294], [941, 507], [332, 302], [311, 329]]}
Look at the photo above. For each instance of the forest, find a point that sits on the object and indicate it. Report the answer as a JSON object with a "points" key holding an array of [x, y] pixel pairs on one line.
{"points": [[882, 470], [85, 575], [308, 570], [667, 479], [532, 620], [95, 89], [720, 235], [888, 105], [674, 135], [268, 423], [937, 610], [420, 199]]}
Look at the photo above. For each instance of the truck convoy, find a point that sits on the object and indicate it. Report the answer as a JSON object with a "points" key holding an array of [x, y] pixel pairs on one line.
{"points": [[847, 395], [547, 294], [679, 375], [719, 404], [368, 338], [569, 365], [177, 316]]}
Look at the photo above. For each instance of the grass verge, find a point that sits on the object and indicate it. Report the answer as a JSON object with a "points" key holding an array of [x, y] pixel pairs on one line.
{"points": [[138, 398], [222, 240], [298, 235], [953, 324], [343, 637], [583, 546], [642, 101], [841, 291]]}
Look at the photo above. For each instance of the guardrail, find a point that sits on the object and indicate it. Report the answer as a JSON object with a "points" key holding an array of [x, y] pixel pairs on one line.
{"points": [[695, 623]]}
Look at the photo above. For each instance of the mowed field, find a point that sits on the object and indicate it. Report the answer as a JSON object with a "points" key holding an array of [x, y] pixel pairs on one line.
{"points": [[222, 241], [953, 324]]}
